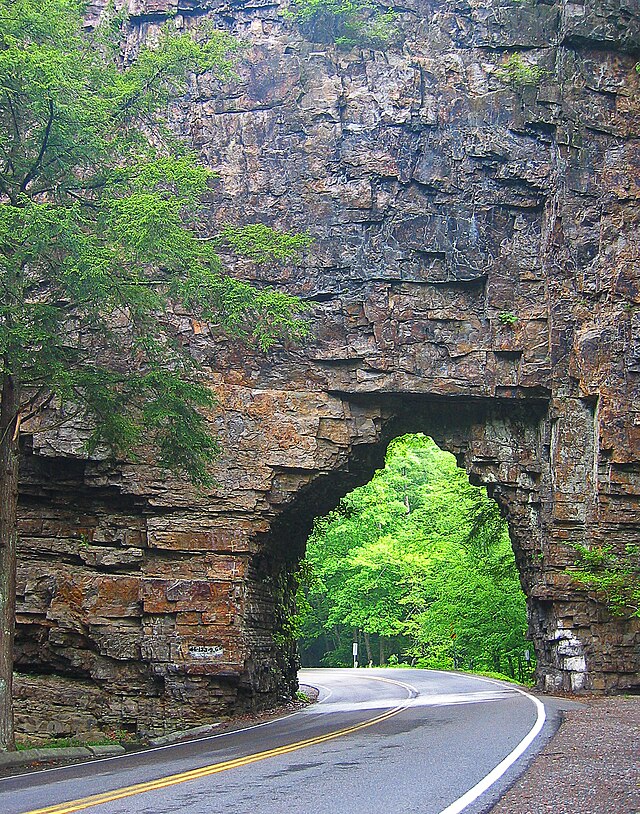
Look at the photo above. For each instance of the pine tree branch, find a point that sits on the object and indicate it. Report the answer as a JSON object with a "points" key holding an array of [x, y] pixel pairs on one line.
{"points": [[56, 425], [43, 148], [14, 117], [36, 410], [6, 191], [82, 200]]}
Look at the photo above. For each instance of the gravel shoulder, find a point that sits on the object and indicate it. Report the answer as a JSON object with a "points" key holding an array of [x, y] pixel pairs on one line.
{"points": [[590, 766]]}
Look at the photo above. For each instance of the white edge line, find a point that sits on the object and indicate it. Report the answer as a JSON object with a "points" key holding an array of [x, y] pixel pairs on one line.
{"points": [[195, 740], [154, 748], [495, 774], [413, 692], [317, 686]]}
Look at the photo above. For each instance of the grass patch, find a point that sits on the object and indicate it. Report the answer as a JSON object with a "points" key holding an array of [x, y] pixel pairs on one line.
{"points": [[118, 737], [518, 73], [498, 676]]}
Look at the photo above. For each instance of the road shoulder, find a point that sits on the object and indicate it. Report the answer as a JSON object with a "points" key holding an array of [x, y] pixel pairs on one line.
{"points": [[590, 766], [33, 760]]}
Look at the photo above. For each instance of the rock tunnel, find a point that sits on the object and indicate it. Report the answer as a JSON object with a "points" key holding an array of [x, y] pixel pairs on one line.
{"points": [[473, 276]]}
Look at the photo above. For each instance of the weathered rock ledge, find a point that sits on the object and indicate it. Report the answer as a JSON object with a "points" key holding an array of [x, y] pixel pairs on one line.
{"points": [[440, 199]]}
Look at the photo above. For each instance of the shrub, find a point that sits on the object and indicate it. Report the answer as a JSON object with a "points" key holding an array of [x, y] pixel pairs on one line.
{"points": [[507, 318], [348, 23], [518, 73], [613, 578]]}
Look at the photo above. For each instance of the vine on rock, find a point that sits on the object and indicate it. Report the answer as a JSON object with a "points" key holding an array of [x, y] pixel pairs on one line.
{"points": [[347, 23], [613, 578]]}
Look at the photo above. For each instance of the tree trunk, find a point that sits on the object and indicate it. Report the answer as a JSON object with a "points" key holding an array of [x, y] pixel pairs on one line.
{"points": [[381, 647], [367, 644], [512, 672], [9, 432]]}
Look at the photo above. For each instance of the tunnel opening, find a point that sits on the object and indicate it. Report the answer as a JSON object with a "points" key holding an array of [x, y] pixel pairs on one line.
{"points": [[193, 614], [502, 444], [415, 568]]}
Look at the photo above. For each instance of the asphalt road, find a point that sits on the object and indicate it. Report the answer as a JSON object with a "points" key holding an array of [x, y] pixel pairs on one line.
{"points": [[378, 742]]}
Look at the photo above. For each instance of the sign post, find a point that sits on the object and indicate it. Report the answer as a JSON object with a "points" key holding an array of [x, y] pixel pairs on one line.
{"points": [[355, 654]]}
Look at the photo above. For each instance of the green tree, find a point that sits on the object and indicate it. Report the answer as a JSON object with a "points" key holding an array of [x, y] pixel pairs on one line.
{"points": [[420, 558], [102, 237]]}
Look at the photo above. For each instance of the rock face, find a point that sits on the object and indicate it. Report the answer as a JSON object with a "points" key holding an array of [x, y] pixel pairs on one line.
{"points": [[474, 276]]}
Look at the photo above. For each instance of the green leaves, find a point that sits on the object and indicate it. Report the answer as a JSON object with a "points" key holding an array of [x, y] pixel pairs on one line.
{"points": [[101, 233], [612, 577], [348, 23], [70, 111], [519, 73], [421, 557], [262, 244]]}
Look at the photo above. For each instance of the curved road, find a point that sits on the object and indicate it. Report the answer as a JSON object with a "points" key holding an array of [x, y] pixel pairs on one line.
{"points": [[378, 742]]}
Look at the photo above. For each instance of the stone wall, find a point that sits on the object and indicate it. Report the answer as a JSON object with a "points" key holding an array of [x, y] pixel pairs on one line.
{"points": [[440, 198]]}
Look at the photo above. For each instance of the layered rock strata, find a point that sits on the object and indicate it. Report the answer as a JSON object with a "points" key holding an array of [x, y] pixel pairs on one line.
{"points": [[474, 276]]}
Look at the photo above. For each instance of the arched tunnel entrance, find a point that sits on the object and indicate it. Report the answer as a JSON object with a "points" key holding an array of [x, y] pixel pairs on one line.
{"points": [[414, 568], [508, 447], [150, 616]]}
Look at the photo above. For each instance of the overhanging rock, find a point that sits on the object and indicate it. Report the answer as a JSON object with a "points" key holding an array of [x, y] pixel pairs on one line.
{"points": [[474, 276]]}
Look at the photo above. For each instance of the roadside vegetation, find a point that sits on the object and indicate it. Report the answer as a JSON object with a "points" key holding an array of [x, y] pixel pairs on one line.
{"points": [[114, 738], [417, 568]]}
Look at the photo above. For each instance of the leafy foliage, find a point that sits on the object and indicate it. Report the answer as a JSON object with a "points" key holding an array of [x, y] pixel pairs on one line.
{"points": [[101, 235], [507, 318], [613, 578], [348, 23], [517, 72], [261, 244], [419, 558]]}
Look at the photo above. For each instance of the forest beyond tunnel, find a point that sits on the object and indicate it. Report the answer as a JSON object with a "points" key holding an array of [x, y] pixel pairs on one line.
{"points": [[415, 567]]}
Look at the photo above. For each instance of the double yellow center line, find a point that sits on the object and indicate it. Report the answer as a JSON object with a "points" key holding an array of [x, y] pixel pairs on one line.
{"points": [[206, 771]]}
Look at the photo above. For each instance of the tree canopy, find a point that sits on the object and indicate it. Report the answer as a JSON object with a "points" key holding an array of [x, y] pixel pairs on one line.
{"points": [[102, 234], [104, 248], [418, 561]]}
